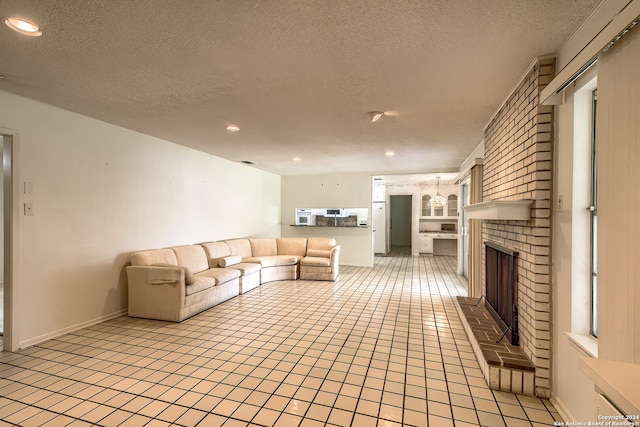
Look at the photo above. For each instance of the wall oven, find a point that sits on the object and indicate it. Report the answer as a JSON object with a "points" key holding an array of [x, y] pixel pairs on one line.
{"points": [[304, 216]]}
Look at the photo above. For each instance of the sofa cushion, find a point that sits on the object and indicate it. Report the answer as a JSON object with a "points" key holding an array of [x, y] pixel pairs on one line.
{"points": [[319, 253], [154, 256], [314, 261], [230, 260], [221, 275], [193, 257], [263, 247], [292, 246], [202, 283], [247, 268], [274, 261], [189, 278], [214, 251], [240, 247]]}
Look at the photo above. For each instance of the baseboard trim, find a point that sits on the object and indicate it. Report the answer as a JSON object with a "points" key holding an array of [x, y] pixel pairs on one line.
{"points": [[37, 340], [561, 408]]}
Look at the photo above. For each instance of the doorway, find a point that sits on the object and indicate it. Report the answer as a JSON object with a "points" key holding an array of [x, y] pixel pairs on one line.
{"points": [[7, 338], [2, 310], [400, 222]]}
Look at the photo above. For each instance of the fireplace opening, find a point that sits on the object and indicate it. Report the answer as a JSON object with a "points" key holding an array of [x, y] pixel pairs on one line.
{"points": [[501, 291]]}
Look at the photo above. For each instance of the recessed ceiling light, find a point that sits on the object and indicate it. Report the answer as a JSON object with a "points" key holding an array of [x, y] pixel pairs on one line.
{"points": [[389, 153], [233, 128], [22, 26], [374, 116], [296, 159]]}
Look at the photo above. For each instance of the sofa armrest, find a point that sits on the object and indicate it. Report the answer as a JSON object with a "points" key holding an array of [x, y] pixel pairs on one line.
{"points": [[335, 258], [156, 292]]}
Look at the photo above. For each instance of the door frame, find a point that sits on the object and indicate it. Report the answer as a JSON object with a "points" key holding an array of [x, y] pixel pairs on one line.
{"points": [[11, 216], [463, 226]]}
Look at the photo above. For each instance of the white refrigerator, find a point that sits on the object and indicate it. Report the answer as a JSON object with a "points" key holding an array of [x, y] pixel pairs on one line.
{"points": [[379, 225]]}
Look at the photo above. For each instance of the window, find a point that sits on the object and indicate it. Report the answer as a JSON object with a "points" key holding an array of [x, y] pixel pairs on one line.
{"points": [[584, 319], [593, 211]]}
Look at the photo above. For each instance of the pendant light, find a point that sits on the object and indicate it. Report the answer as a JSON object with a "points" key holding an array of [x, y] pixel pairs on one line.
{"points": [[438, 200]]}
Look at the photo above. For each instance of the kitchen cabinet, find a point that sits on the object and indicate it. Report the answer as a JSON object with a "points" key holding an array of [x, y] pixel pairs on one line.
{"points": [[437, 243], [426, 209], [452, 205], [448, 211], [425, 244]]}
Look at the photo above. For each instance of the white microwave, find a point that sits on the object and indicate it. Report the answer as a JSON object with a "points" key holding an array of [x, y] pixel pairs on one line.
{"points": [[304, 216]]}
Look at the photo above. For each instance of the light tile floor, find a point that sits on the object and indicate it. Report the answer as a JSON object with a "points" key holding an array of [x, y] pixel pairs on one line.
{"points": [[381, 346]]}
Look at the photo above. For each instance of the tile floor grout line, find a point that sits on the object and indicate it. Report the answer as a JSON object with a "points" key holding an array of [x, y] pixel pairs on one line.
{"points": [[473, 402]]}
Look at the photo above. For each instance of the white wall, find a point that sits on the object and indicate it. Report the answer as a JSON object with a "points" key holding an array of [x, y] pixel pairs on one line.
{"points": [[572, 393], [331, 191], [1, 219], [100, 192]]}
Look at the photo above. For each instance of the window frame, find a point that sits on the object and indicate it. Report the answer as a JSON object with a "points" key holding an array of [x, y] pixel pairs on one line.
{"points": [[593, 220]]}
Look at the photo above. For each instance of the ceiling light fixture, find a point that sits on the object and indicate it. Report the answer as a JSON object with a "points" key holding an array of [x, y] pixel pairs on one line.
{"points": [[374, 116], [438, 200], [296, 159], [233, 128], [389, 153], [23, 26]]}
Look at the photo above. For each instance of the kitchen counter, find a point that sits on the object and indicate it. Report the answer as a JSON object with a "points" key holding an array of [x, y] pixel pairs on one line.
{"points": [[329, 226], [439, 234]]}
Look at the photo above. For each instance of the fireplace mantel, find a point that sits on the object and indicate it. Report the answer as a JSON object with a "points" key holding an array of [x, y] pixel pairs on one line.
{"points": [[500, 210]]}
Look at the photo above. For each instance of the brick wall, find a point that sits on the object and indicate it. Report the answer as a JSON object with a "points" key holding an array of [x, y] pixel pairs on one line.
{"points": [[517, 166]]}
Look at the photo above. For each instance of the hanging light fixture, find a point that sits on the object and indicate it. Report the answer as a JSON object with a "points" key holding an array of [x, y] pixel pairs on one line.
{"points": [[438, 200]]}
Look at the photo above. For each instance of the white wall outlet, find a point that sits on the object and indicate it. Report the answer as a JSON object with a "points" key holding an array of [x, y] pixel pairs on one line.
{"points": [[28, 209]]}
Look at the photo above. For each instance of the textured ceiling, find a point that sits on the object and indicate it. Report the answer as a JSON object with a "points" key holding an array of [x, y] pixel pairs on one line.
{"points": [[297, 76]]}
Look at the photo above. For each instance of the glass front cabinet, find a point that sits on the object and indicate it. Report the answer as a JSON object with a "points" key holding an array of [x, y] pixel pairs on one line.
{"points": [[449, 210]]}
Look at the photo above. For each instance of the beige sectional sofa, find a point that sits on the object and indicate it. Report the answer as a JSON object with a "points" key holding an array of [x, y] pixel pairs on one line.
{"points": [[176, 283]]}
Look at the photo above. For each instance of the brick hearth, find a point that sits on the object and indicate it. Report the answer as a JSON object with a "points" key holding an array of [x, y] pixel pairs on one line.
{"points": [[505, 366]]}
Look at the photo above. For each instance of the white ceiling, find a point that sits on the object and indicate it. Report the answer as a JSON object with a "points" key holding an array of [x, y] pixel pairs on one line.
{"points": [[297, 76]]}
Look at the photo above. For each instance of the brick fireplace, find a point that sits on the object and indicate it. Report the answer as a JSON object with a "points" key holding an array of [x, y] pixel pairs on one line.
{"points": [[501, 292], [518, 146]]}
